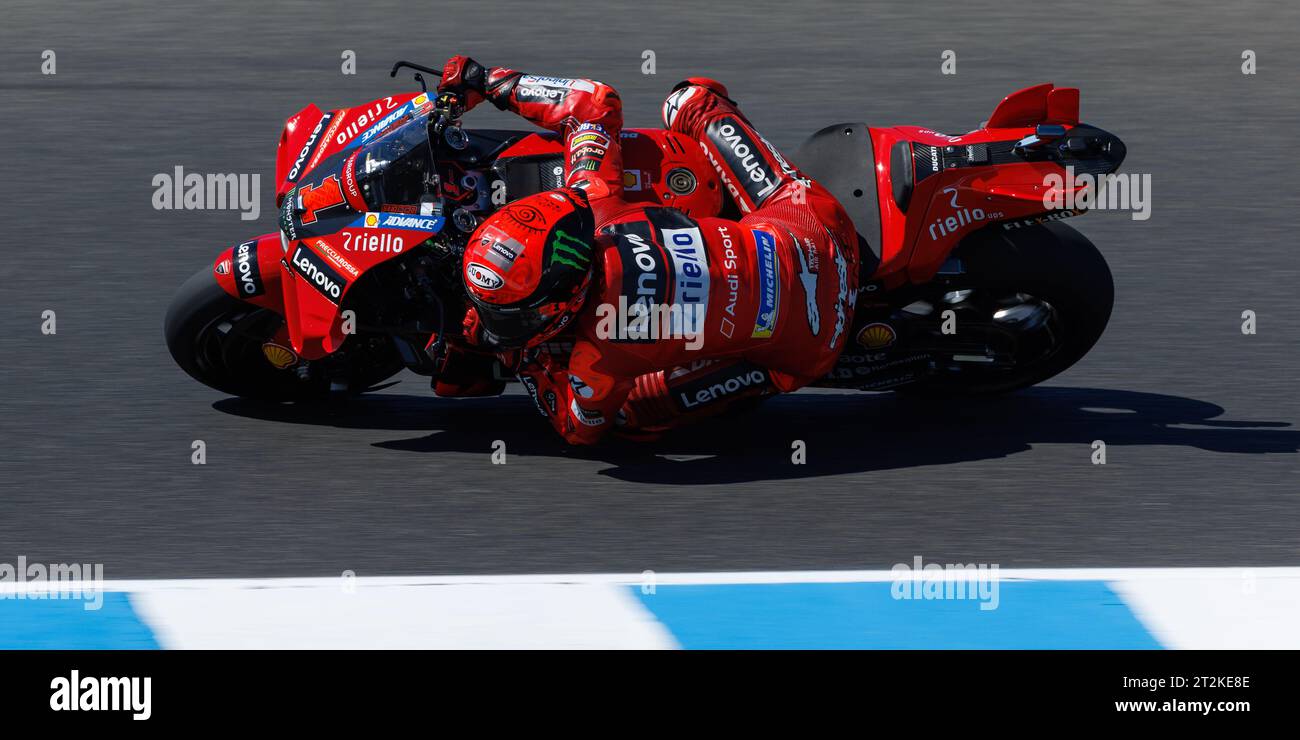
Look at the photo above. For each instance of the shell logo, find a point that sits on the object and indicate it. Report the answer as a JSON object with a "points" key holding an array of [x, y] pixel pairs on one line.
{"points": [[281, 358], [372, 220], [877, 336]]}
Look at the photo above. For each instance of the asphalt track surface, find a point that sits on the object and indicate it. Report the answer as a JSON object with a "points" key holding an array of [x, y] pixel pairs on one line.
{"points": [[1200, 420]]}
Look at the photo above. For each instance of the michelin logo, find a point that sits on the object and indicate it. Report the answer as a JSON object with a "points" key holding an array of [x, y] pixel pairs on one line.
{"points": [[769, 284]]}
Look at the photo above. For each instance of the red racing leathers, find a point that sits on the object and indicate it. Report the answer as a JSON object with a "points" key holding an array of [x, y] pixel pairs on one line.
{"points": [[747, 307]]}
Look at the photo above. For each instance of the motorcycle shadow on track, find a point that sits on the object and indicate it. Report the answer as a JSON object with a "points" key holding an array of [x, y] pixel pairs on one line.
{"points": [[842, 433]]}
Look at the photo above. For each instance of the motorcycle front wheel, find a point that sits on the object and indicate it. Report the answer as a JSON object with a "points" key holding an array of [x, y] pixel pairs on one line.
{"points": [[218, 340]]}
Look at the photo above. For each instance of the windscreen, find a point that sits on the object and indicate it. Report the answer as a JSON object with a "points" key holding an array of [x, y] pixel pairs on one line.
{"points": [[394, 170], [392, 174]]}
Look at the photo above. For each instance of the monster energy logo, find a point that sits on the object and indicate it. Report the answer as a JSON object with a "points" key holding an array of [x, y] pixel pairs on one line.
{"points": [[570, 251]]}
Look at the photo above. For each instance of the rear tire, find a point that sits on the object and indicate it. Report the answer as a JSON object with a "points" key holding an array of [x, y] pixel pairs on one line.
{"points": [[217, 340], [1051, 262]]}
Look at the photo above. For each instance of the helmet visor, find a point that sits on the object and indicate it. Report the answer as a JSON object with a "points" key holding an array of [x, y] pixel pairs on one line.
{"points": [[514, 327]]}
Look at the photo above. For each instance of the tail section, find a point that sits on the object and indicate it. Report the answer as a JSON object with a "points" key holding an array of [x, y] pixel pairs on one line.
{"points": [[1031, 106]]}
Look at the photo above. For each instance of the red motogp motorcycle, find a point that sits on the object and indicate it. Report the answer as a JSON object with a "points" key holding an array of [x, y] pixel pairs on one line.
{"points": [[969, 285]]}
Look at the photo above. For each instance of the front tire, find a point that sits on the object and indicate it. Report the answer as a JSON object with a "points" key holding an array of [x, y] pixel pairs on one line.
{"points": [[1060, 269], [217, 340]]}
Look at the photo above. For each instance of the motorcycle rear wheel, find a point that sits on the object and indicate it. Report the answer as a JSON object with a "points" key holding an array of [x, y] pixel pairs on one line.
{"points": [[1051, 265]]}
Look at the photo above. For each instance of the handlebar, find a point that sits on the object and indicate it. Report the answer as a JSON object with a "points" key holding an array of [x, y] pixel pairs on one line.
{"points": [[412, 65], [418, 76], [448, 107]]}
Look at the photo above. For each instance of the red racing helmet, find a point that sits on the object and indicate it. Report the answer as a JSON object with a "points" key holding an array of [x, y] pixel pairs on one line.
{"points": [[527, 268]]}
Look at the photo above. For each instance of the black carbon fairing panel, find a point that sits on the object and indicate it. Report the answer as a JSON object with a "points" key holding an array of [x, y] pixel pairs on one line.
{"points": [[842, 159], [487, 143], [531, 174]]}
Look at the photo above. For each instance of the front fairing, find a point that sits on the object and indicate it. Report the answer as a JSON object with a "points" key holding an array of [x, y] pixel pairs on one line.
{"points": [[358, 208], [311, 136]]}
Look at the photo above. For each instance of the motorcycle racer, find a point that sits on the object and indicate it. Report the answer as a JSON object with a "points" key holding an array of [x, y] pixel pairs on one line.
{"points": [[674, 317]]}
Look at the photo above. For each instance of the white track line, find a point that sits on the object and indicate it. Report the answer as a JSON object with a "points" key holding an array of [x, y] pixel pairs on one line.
{"points": [[676, 579], [462, 617]]}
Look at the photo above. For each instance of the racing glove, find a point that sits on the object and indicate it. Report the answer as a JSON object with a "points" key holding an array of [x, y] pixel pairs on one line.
{"points": [[465, 77]]}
